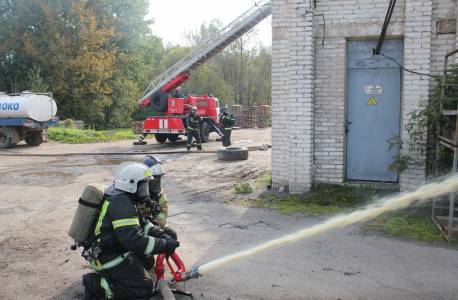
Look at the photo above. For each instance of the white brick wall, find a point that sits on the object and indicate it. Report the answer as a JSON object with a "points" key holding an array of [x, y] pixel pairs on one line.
{"points": [[417, 57], [301, 98], [280, 92]]}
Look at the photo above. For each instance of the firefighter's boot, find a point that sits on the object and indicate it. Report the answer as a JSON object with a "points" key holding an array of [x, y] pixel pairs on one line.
{"points": [[89, 292]]}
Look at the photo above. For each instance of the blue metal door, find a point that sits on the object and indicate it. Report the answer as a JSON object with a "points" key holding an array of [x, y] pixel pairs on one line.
{"points": [[373, 109]]}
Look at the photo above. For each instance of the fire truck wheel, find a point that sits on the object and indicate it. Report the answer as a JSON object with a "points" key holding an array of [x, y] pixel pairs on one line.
{"points": [[159, 101], [161, 137], [204, 132], [173, 137], [35, 138], [233, 153]]}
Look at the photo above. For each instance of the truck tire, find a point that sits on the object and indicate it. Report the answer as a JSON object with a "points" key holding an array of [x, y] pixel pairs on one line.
{"points": [[159, 101], [233, 153], [161, 137], [204, 132], [173, 137], [35, 138], [5, 140]]}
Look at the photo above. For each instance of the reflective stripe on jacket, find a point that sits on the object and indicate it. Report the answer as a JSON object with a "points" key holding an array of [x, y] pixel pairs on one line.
{"points": [[120, 226]]}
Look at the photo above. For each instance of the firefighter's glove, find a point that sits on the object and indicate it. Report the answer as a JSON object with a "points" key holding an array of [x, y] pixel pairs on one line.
{"points": [[155, 232], [147, 201], [170, 246], [165, 237]]}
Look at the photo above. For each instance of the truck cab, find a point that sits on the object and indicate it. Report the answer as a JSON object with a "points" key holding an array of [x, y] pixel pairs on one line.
{"points": [[174, 123]]}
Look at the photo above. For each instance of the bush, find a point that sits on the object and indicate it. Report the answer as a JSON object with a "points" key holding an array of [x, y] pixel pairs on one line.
{"points": [[243, 188]]}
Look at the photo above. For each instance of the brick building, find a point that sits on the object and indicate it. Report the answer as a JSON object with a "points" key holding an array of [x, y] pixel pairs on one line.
{"points": [[318, 88]]}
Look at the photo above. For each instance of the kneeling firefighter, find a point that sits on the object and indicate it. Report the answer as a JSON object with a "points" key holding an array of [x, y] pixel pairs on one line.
{"points": [[157, 213], [122, 242]]}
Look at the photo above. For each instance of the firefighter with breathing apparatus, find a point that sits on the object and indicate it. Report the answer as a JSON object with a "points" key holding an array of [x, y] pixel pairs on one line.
{"points": [[225, 119], [157, 213], [193, 120], [118, 241]]}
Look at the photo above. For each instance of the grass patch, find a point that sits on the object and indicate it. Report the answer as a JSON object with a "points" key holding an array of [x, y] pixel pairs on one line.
{"points": [[262, 181], [242, 188], [328, 200], [413, 222], [77, 136]]}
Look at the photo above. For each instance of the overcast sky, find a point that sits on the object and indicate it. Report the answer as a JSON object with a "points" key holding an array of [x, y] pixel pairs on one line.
{"points": [[173, 17]]}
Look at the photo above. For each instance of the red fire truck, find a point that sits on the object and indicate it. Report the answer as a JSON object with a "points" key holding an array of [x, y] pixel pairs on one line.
{"points": [[175, 110]]}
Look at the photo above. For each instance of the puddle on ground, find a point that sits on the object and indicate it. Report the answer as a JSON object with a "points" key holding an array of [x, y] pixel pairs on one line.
{"points": [[114, 161], [5, 211], [50, 174], [111, 161], [241, 141]]}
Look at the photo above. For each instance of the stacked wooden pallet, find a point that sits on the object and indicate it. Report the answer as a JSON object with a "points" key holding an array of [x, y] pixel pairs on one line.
{"points": [[265, 116], [253, 116], [137, 126], [237, 111]]}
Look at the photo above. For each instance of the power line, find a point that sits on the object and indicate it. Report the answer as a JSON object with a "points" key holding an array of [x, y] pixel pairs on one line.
{"points": [[403, 67]]}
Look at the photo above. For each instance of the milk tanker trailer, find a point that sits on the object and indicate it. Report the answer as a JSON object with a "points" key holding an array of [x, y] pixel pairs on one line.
{"points": [[26, 116]]}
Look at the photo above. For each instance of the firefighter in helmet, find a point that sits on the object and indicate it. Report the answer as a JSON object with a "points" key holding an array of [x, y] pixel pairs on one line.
{"points": [[157, 213], [193, 120], [225, 119], [178, 93], [127, 241]]}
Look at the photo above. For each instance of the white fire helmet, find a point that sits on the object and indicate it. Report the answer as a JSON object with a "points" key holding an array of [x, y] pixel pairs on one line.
{"points": [[155, 165], [129, 174]]}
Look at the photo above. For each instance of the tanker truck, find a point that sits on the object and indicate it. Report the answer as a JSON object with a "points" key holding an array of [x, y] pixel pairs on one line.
{"points": [[26, 116]]}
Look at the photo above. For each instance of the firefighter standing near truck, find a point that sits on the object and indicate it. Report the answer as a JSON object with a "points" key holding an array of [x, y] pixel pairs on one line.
{"points": [[226, 121], [193, 120], [127, 241], [157, 213]]}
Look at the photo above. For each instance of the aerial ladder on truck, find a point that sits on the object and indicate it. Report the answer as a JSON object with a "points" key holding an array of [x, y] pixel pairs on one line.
{"points": [[157, 94]]}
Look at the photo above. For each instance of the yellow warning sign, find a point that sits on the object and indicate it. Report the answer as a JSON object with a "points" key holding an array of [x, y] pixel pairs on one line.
{"points": [[372, 101]]}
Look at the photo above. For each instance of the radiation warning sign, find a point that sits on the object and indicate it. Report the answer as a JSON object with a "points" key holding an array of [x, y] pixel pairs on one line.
{"points": [[372, 101]]}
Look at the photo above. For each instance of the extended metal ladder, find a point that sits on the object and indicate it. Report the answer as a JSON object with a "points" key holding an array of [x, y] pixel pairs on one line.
{"points": [[212, 46]]}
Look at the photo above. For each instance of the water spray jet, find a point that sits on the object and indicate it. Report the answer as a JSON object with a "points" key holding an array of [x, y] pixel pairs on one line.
{"points": [[403, 200], [422, 194]]}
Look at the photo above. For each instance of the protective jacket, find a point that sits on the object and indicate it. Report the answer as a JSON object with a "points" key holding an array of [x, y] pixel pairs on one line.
{"points": [[178, 95], [226, 120], [193, 121], [152, 212], [122, 230]]}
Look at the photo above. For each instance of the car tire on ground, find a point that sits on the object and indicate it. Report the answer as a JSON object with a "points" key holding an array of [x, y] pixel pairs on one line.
{"points": [[204, 132], [34, 138], [233, 153], [159, 101], [173, 137], [161, 137]]}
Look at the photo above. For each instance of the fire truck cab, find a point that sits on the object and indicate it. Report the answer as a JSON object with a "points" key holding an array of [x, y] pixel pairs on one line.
{"points": [[174, 123]]}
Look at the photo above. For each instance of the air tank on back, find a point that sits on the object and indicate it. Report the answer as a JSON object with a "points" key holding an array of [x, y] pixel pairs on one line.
{"points": [[27, 105]]}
